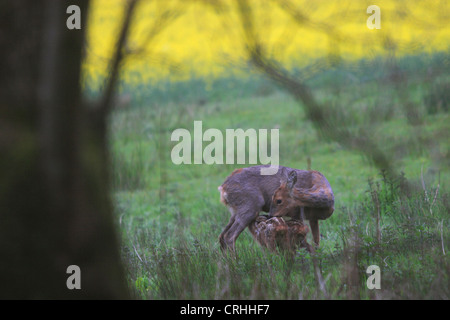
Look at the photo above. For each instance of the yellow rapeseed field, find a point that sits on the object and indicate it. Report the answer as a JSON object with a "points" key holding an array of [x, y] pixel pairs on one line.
{"points": [[178, 39]]}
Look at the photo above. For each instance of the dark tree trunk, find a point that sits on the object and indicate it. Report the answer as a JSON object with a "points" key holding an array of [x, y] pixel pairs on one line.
{"points": [[55, 209]]}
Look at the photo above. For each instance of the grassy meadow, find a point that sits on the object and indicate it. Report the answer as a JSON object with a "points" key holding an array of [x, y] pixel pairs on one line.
{"points": [[187, 61], [170, 216]]}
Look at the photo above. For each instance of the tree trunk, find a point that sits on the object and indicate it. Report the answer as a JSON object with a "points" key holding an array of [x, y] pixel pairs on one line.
{"points": [[55, 209]]}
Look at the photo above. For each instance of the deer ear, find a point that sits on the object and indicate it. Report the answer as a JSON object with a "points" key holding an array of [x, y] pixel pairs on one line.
{"points": [[291, 180]]}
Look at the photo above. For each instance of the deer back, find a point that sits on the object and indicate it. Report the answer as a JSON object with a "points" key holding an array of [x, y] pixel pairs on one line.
{"points": [[307, 189], [246, 187]]}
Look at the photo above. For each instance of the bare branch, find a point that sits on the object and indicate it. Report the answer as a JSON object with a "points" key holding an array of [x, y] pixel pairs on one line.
{"points": [[116, 60], [167, 17], [442, 237], [314, 111]]}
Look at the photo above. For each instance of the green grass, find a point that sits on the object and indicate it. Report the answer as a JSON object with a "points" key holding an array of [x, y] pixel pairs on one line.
{"points": [[170, 216]]}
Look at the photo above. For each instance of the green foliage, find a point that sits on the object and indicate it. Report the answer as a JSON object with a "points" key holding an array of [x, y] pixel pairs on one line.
{"points": [[170, 216], [180, 263]]}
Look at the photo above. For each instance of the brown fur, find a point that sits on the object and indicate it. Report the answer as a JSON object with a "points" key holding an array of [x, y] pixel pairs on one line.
{"points": [[246, 193], [316, 201], [235, 171], [277, 234]]}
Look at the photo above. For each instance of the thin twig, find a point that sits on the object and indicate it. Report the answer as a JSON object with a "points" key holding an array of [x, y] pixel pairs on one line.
{"points": [[437, 191], [137, 253], [423, 185], [427, 199], [318, 275], [116, 61]]}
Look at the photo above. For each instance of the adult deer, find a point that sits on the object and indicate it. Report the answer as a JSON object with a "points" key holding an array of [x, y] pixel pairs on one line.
{"points": [[290, 192]]}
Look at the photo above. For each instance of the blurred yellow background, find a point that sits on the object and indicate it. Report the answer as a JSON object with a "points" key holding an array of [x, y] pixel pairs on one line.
{"points": [[179, 39]]}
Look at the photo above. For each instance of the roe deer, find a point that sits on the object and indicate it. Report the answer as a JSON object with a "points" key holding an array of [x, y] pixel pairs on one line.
{"points": [[276, 233], [246, 193]]}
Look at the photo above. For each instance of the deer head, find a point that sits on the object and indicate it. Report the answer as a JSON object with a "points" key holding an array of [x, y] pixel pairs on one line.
{"points": [[283, 202]]}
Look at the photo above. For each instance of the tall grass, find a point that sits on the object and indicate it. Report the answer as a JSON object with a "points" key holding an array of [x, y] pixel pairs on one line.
{"points": [[389, 228], [170, 216]]}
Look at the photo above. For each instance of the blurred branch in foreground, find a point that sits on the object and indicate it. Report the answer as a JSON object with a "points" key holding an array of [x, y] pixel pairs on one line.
{"points": [[316, 113]]}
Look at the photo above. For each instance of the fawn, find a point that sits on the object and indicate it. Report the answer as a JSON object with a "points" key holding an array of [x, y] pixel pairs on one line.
{"points": [[290, 192], [277, 234]]}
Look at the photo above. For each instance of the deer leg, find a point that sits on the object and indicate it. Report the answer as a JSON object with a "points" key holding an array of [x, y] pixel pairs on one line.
{"points": [[302, 214], [234, 229], [314, 224], [223, 243]]}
